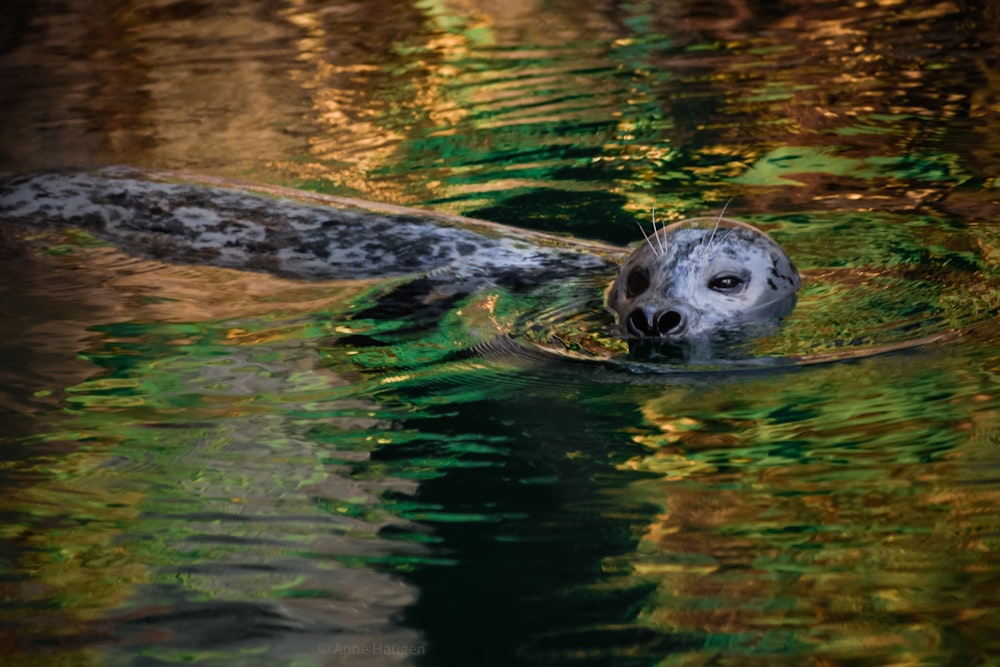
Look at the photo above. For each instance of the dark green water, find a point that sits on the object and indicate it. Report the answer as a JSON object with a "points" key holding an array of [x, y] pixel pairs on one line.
{"points": [[214, 467]]}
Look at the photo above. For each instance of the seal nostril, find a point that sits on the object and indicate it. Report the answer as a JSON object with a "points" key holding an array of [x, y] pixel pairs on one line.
{"points": [[647, 324], [668, 321], [639, 323]]}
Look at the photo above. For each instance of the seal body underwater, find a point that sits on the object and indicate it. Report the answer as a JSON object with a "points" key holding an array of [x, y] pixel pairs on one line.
{"points": [[686, 281]]}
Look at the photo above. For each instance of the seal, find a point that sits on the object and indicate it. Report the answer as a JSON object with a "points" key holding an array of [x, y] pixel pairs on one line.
{"points": [[700, 276], [688, 280], [177, 218]]}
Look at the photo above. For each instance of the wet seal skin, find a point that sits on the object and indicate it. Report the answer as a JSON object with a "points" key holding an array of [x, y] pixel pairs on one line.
{"points": [[702, 276], [687, 280]]}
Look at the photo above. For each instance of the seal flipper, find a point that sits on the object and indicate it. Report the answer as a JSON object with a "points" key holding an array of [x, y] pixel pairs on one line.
{"points": [[175, 218]]}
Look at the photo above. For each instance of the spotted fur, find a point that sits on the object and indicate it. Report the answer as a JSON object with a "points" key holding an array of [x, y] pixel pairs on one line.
{"points": [[702, 275], [178, 219], [188, 223]]}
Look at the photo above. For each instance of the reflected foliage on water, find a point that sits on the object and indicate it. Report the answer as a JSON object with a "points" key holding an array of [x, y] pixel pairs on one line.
{"points": [[228, 468]]}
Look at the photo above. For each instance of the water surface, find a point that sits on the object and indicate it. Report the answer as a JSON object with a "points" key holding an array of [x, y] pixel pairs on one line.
{"points": [[224, 467]]}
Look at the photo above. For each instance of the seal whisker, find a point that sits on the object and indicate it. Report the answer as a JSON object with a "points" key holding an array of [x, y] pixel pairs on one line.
{"points": [[659, 241], [646, 236], [718, 221], [725, 207]]}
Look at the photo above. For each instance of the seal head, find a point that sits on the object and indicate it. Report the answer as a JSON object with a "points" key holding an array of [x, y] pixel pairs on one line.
{"points": [[700, 276]]}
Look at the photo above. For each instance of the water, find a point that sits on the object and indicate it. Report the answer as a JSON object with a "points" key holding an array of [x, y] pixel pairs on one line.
{"points": [[209, 465]]}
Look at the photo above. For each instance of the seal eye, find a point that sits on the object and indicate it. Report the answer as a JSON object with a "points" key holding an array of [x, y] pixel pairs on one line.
{"points": [[725, 282], [637, 282]]}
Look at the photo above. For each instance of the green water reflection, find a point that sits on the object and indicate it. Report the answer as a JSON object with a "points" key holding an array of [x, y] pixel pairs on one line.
{"points": [[208, 466]]}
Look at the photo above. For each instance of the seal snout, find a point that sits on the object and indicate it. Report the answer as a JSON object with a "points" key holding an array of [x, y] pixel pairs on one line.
{"points": [[648, 322]]}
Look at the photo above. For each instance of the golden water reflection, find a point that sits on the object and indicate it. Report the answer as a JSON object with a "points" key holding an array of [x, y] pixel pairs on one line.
{"points": [[468, 103], [848, 511], [794, 520], [111, 418]]}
